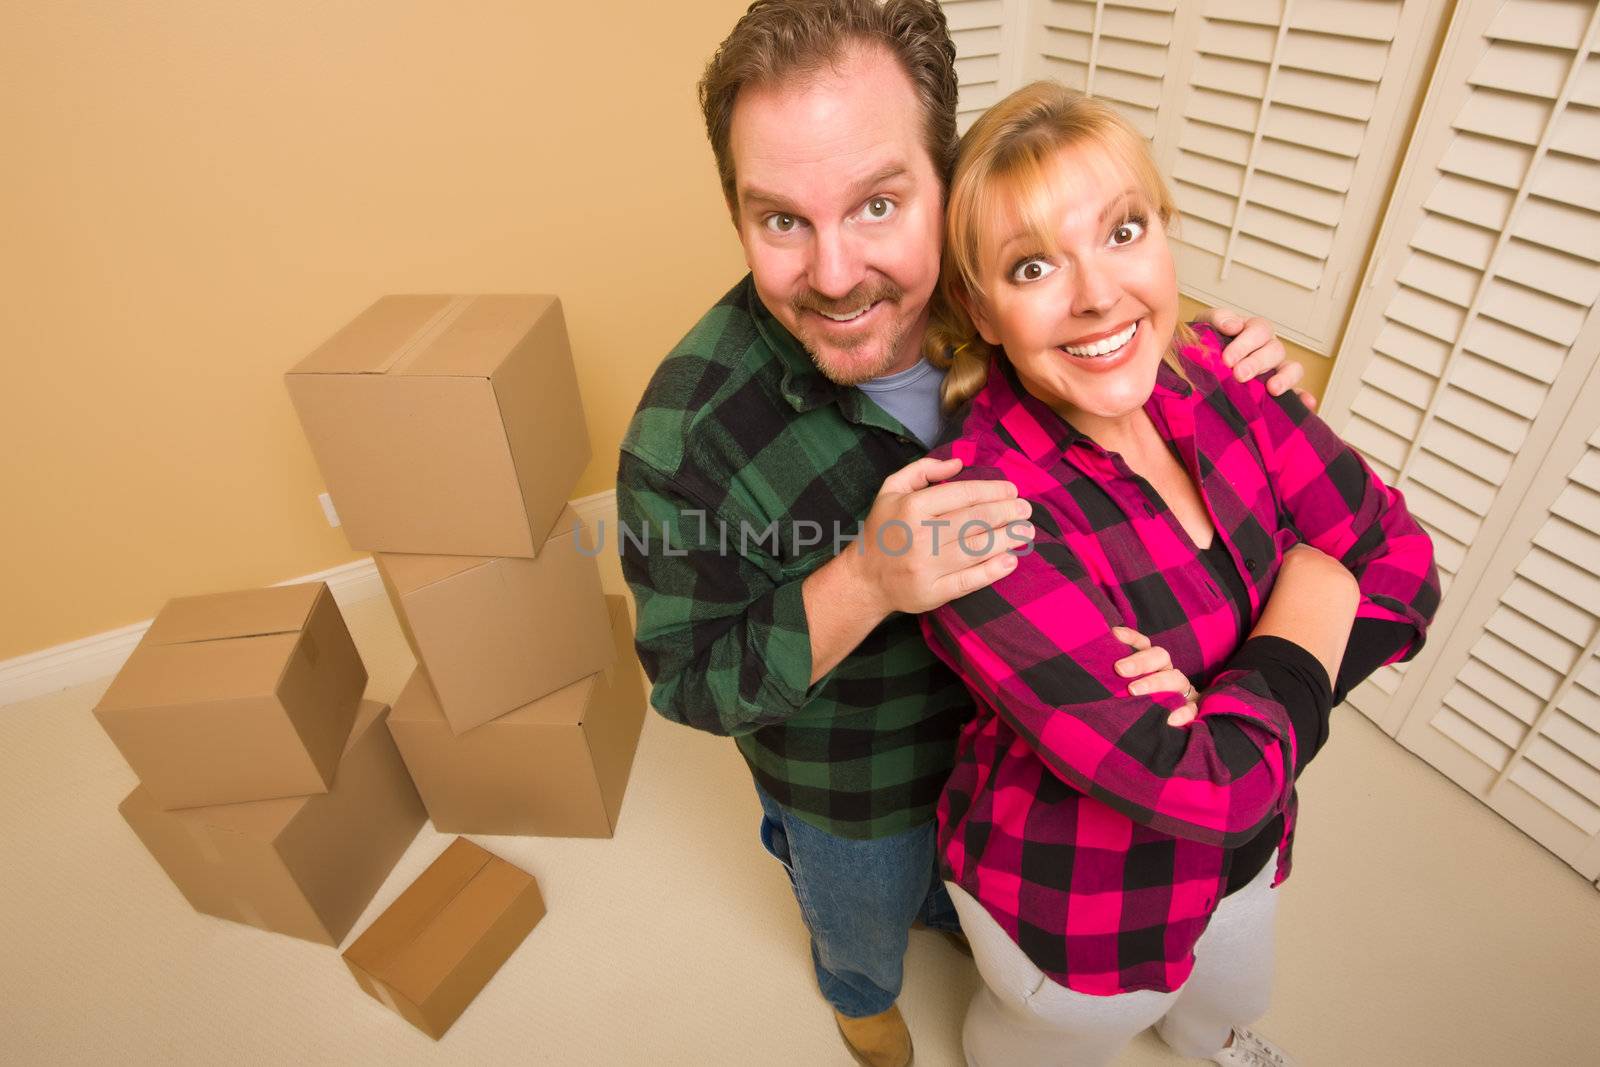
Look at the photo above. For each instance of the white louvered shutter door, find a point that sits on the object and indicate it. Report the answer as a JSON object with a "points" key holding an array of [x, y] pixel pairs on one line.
{"points": [[1118, 50], [988, 37], [1514, 717], [1468, 378], [1281, 146]]}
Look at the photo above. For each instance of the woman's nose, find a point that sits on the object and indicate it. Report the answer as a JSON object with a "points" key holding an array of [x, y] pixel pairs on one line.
{"points": [[1096, 291]]}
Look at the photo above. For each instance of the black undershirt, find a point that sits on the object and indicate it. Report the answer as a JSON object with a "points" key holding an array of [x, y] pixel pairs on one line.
{"points": [[1300, 684], [1245, 861]]}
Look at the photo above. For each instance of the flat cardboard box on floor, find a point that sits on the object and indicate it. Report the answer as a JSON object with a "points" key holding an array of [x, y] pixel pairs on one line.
{"points": [[497, 633], [237, 696], [302, 866], [435, 948], [447, 425], [557, 767]]}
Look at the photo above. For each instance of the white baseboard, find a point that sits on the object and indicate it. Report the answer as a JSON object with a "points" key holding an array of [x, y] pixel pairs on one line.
{"points": [[597, 508], [51, 670]]}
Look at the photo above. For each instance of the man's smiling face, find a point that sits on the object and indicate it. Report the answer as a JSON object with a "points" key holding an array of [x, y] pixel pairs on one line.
{"points": [[840, 212]]}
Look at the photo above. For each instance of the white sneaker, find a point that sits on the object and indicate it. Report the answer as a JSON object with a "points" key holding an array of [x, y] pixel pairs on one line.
{"points": [[1250, 1049]]}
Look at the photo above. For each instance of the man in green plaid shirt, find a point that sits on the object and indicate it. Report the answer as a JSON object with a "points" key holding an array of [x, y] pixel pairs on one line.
{"points": [[778, 527]]}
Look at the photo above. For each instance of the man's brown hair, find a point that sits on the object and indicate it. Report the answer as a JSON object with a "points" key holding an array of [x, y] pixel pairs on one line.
{"points": [[778, 39]]}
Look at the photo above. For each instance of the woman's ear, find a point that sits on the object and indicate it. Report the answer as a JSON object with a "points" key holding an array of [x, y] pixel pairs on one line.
{"points": [[975, 311]]}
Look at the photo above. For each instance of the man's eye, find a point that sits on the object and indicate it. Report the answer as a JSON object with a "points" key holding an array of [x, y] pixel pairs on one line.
{"points": [[781, 223], [1032, 269], [879, 207], [1128, 232]]}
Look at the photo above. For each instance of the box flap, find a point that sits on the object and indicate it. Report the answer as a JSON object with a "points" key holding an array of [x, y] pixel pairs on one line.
{"points": [[247, 613], [433, 335], [392, 933], [565, 707], [265, 819], [203, 672], [375, 339], [478, 336], [407, 573], [259, 820]]}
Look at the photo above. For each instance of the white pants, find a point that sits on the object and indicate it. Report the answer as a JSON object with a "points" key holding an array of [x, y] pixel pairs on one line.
{"points": [[1020, 1018]]}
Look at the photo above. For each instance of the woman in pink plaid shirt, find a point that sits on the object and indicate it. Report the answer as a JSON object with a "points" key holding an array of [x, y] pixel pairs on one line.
{"points": [[1114, 851]]}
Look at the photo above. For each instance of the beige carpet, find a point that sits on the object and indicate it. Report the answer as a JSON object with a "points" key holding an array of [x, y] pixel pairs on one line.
{"points": [[1419, 929]]}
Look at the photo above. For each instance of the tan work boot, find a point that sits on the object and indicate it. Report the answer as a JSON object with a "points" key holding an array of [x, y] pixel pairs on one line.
{"points": [[880, 1040]]}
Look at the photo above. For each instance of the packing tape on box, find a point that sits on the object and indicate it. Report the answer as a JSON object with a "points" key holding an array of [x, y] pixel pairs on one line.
{"points": [[428, 333]]}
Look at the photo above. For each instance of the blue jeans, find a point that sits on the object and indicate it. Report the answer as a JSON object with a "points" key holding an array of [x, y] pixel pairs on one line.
{"points": [[859, 899]]}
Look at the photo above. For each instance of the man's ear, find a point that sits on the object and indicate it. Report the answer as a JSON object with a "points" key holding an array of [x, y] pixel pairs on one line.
{"points": [[975, 311]]}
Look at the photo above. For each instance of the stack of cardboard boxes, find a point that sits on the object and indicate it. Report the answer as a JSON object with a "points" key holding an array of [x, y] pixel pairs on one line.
{"points": [[451, 433], [270, 792]]}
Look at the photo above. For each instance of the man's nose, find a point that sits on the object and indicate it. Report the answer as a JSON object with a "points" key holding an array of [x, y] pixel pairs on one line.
{"points": [[836, 262]]}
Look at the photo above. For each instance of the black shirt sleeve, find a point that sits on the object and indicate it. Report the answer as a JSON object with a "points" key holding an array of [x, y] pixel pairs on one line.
{"points": [[1301, 686], [1372, 643], [1299, 682]]}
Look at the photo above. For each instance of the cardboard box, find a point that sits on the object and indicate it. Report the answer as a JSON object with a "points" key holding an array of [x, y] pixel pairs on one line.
{"points": [[237, 696], [557, 767], [302, 866], [431, 951], [496, 633], [446, 425]]}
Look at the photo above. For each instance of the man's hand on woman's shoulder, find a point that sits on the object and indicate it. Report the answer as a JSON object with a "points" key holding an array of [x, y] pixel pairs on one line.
{"points": [[1254, 349], [928, 540]]}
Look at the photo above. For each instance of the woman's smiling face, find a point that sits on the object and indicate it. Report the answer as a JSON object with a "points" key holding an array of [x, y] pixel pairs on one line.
{"points": [[1086, 308]]}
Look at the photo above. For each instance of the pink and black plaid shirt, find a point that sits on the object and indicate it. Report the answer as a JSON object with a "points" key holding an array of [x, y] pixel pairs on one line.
{"points": [[1094, 833]]}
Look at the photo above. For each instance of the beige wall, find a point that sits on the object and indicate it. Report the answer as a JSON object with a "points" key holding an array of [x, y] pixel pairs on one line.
{"points": [[196, 193], [200, 193]]}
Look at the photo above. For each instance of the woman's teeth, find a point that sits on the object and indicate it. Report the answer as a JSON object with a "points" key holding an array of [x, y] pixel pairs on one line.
{"points": [[1104, 346]]}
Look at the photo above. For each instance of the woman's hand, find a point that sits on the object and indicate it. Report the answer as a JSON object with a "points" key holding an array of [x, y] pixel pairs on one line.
{"points": [[1152, 672]]}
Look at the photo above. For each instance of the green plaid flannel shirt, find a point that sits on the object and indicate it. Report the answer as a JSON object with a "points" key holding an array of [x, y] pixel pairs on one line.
{"points": [[740, 467]]}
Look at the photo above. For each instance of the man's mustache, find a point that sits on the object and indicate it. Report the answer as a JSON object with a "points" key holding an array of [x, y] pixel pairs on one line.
{"points": [[859, 297]]}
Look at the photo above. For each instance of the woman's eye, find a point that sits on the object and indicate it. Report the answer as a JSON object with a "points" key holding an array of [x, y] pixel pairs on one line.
{"points": [[1128, 232], [1031, 270], [782, 223], [879, 207]]}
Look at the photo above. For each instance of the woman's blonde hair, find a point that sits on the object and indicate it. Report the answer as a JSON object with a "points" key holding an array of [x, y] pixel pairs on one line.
{"points": [[1004, 163]]}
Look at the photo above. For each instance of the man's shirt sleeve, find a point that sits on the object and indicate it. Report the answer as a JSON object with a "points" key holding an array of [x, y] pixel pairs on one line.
{"points": [[1037, 647], [721, 633]]}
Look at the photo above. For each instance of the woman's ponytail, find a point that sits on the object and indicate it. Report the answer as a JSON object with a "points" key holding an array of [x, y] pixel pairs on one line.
{"points": [[954, 346]]}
